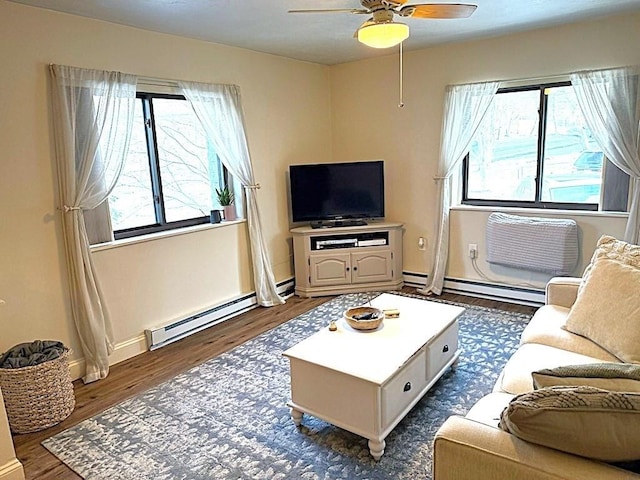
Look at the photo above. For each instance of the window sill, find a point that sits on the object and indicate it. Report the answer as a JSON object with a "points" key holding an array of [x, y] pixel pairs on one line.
{"points": [[166, 234], [541, 211]]}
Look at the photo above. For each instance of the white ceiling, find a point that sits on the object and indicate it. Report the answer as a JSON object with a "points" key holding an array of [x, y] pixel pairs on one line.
{"points": [[265, 25]]}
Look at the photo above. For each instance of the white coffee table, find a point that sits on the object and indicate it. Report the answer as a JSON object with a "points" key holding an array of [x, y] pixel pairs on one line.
{"points": [[366, 382]]}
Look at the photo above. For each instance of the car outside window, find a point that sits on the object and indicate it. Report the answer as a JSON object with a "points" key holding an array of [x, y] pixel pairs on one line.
{"points": [[171, 172]]}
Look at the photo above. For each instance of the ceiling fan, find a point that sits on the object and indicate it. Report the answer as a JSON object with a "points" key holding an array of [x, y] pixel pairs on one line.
{"points": [[381, 31]]}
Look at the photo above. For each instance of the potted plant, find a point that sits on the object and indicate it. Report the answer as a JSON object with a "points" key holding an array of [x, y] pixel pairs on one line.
{"points": [[225, 199]]}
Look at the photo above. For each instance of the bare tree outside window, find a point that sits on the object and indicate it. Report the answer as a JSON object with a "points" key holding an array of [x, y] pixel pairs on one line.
{"points": [[171, 171]]}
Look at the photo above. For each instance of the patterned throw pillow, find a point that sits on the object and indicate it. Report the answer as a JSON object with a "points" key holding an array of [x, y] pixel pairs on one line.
{"points": [[607, 309], [609, 247], [584, 421], [616, 377]]}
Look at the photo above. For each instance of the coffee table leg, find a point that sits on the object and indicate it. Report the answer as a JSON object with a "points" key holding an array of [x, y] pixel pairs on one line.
{"points": [[377, 448], [296, 416]]}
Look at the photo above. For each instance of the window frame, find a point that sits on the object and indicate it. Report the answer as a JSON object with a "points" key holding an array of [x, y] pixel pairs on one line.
{"points": [[155, 174], [542, 123]]}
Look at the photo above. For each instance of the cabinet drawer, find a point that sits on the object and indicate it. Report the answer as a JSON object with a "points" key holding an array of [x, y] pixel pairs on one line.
{"points": [[441, 350], [403, 388]]}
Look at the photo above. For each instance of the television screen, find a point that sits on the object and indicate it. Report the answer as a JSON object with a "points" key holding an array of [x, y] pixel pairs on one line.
{"points": [[334, 191]]}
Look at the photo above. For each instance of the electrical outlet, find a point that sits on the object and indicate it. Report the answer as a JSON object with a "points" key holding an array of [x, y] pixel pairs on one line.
{"points": [[473, 250]]}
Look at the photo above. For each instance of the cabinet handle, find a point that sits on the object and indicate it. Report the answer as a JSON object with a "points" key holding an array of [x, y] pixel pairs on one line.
{"points": [[445, 349], [407, 387], [355, 268], [347, 269]]}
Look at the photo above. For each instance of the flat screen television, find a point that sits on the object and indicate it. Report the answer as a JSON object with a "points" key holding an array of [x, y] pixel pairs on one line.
{"points": [[337, 193]]}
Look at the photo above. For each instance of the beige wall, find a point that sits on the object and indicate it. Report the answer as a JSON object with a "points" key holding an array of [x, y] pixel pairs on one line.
{"points": [[368, 124], [287, 110], [295, 112]]}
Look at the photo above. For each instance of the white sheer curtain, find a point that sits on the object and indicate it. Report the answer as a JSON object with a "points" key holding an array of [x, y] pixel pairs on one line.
{"points": [[92, 119], [610, 103], [219, 109], [464, 108]]}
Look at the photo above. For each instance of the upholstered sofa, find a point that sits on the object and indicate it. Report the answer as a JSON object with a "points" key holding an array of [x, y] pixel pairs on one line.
{"points": [[475, 447]]}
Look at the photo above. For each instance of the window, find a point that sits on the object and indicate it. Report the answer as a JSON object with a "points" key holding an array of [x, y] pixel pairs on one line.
{"points": [[534, 150], [171, 173]]}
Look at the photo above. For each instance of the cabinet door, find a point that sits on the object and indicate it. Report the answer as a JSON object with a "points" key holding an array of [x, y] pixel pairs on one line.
{"points": [[371, 266], [330, 269]]}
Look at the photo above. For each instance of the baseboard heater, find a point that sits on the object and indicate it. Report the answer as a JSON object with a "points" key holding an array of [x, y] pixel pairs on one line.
{"points": [[536, 244], [161, 336], [479, 289]]}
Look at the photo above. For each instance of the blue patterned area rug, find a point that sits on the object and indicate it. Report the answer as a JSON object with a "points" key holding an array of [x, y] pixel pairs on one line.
{"points": [[227, 418]]}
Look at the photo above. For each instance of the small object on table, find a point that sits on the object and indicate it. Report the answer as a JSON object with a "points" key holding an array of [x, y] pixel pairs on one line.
{"points": [[332, 326], [366, 316], [391, 313]]}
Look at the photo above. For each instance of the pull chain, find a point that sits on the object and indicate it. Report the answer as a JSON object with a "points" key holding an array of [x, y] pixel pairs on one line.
{"points": [[401, 102]]}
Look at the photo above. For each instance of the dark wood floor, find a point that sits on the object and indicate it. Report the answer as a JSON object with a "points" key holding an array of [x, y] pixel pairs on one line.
{"points": [[144, 371]]}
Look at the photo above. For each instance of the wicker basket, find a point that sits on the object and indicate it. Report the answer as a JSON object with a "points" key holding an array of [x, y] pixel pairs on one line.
{"points": [[38, 397]]}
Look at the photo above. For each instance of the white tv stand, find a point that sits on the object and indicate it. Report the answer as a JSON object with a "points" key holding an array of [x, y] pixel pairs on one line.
{"points": [[336, 260]]}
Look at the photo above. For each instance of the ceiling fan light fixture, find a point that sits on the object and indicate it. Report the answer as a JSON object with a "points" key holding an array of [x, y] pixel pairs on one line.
{"points": [[383, 35]]}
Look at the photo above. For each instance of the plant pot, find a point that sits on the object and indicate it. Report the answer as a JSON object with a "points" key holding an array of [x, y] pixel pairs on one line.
{"points": [[215, 216], [229, 212]]}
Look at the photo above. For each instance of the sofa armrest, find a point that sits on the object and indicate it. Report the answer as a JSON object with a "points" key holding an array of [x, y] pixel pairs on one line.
{"points": [[468, 450], [562, 291]]}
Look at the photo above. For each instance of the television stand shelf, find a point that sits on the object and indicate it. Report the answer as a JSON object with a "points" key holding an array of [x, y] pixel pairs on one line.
{"points": [[347, 259]]}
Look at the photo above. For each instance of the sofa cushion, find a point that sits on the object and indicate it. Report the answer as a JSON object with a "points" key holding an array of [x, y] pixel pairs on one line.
{"points": [[516, 375], [617, 377], [607, 309], [547, 328], [585, 421]]}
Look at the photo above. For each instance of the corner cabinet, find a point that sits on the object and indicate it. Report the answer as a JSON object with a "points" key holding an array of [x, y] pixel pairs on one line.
{"points": [[331, 261]]}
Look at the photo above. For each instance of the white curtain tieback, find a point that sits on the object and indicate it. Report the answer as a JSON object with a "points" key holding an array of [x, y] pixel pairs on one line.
{"points": [[68, 209], [252, 187]]}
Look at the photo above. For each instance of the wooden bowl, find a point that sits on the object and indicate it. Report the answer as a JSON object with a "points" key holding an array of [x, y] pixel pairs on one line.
{"points": [[352, 315]]}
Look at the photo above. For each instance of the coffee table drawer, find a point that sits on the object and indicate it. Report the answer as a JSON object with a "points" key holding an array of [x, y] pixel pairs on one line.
{"points": [[441, 350], [403, 388]]}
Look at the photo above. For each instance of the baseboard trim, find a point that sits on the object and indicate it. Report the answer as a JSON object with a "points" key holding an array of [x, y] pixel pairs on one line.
{"points": [[473, 288], [121, 352], [12, 470], [137, 345]]}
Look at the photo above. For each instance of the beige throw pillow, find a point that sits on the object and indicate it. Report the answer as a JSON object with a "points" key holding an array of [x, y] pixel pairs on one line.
{"points": [[609, 247], [584, 421], [616, 377], [607, 309]]}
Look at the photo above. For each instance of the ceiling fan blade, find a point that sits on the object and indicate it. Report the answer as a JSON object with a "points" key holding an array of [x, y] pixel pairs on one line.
{"points": [[332, 10], [437, 10]]}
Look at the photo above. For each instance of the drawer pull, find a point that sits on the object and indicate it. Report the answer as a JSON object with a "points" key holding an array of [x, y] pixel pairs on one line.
{"points": [[407, 386], [445, 349]]}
